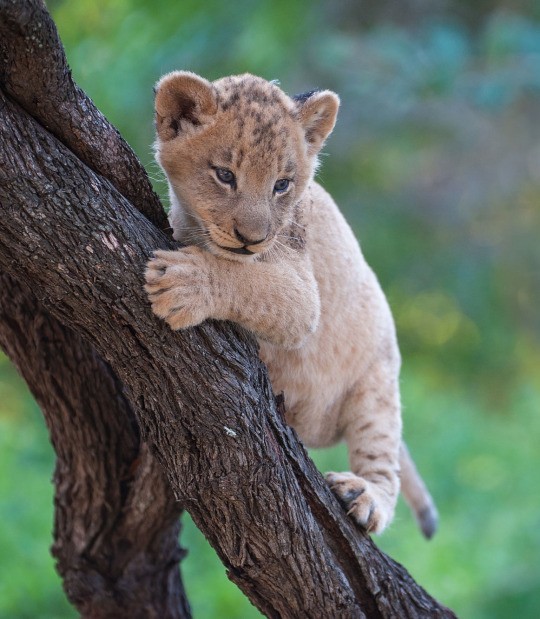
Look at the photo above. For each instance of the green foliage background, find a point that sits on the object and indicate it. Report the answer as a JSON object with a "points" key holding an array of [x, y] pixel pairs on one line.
{"points": [[436, 163]]}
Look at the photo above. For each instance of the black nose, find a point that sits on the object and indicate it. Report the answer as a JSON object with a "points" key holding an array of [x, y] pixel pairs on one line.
{"points": [[248, 241]]}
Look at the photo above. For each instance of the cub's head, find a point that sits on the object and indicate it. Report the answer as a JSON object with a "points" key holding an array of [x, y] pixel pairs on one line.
{"points": [[238, 154]]}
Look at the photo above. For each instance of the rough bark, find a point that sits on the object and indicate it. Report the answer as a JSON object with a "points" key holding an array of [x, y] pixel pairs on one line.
{"points": [[34, 72], [116, 520], [201, 398]]}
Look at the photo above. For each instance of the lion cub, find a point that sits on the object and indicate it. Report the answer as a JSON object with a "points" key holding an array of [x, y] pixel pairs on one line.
{"points": [[267, 247]]}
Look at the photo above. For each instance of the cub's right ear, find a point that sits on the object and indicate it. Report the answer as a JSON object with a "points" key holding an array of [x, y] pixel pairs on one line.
{"points": [[184, 101]]}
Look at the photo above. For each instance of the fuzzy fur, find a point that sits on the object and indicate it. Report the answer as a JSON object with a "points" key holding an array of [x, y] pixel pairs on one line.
{"points": [[285, 265]]}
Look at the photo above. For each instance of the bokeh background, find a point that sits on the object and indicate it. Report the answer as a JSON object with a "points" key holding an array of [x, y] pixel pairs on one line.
{"points": [[436, 163]]}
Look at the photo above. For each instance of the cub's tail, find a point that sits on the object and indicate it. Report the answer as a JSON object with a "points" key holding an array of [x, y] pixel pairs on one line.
{"points": [[417, 495]]}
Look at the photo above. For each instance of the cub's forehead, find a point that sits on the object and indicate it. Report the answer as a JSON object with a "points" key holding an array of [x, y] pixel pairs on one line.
{"points": [[257, 114], [250, 91]]}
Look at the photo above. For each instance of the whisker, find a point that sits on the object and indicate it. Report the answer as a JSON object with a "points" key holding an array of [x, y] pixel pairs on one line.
{"points": [[288, 236], [282, 246], [297, 223]]}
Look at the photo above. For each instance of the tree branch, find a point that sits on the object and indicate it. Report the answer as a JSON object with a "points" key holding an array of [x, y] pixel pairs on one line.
{"points": [[116, 521], [116, 559], [34, 72], [201, 397]]}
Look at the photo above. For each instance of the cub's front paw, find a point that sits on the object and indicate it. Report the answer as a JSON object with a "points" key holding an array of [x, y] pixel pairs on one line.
{"points": [[178, 286], [368, 505]]}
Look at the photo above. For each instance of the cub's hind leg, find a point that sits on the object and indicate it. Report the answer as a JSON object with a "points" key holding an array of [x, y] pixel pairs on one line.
{"points": [[372, 430]]}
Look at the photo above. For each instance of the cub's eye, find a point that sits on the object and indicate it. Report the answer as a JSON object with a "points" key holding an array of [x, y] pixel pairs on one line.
{"points": [[281, 185], [225, 176]]}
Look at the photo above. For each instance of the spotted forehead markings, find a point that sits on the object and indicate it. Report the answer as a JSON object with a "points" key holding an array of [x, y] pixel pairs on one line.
{"points": [[261, 102], [232, 100], [240, 123], [289, 168], [263, 127], [239, 157], [226, 155], [249, 89]]}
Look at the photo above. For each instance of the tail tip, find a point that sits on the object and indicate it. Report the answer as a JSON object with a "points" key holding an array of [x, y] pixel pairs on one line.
{"points": [[428, 519]]}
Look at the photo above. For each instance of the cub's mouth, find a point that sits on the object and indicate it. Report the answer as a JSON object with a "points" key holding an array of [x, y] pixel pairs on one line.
{"points": [[226, 244], [238, 250]]}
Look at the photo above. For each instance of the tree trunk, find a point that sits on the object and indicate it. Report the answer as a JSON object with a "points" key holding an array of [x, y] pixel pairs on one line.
{"points": [[116, 520], [201, 397]]}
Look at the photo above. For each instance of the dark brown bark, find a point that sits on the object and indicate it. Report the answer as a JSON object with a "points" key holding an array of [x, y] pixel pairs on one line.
{"points": [[116, 520], [34, 72], [201, 397]]}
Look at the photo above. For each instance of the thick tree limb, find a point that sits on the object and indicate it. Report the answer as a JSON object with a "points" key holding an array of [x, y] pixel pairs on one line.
{"points": [[201, 397], [116, 521], [34, 72], [116, 558]]}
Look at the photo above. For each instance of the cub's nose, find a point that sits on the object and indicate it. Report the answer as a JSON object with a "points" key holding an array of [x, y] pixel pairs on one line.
{"points": [[249, 238]]}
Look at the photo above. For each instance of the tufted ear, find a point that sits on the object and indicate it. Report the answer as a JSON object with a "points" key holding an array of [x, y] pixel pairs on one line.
{"points": [[317, 112], [183, 101]]}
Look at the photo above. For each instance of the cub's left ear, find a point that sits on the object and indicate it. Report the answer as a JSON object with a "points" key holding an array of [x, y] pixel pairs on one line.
{"points": [[317, 112]]}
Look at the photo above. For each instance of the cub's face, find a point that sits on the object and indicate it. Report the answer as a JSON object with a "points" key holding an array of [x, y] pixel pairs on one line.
{"points": [[238, 154]]}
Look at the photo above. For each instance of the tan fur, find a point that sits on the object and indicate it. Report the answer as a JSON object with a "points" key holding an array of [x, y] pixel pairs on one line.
{"points": [[301, 285]]}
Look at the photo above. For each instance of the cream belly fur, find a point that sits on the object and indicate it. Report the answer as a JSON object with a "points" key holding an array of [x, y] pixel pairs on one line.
{"points": [[267, 247]]}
